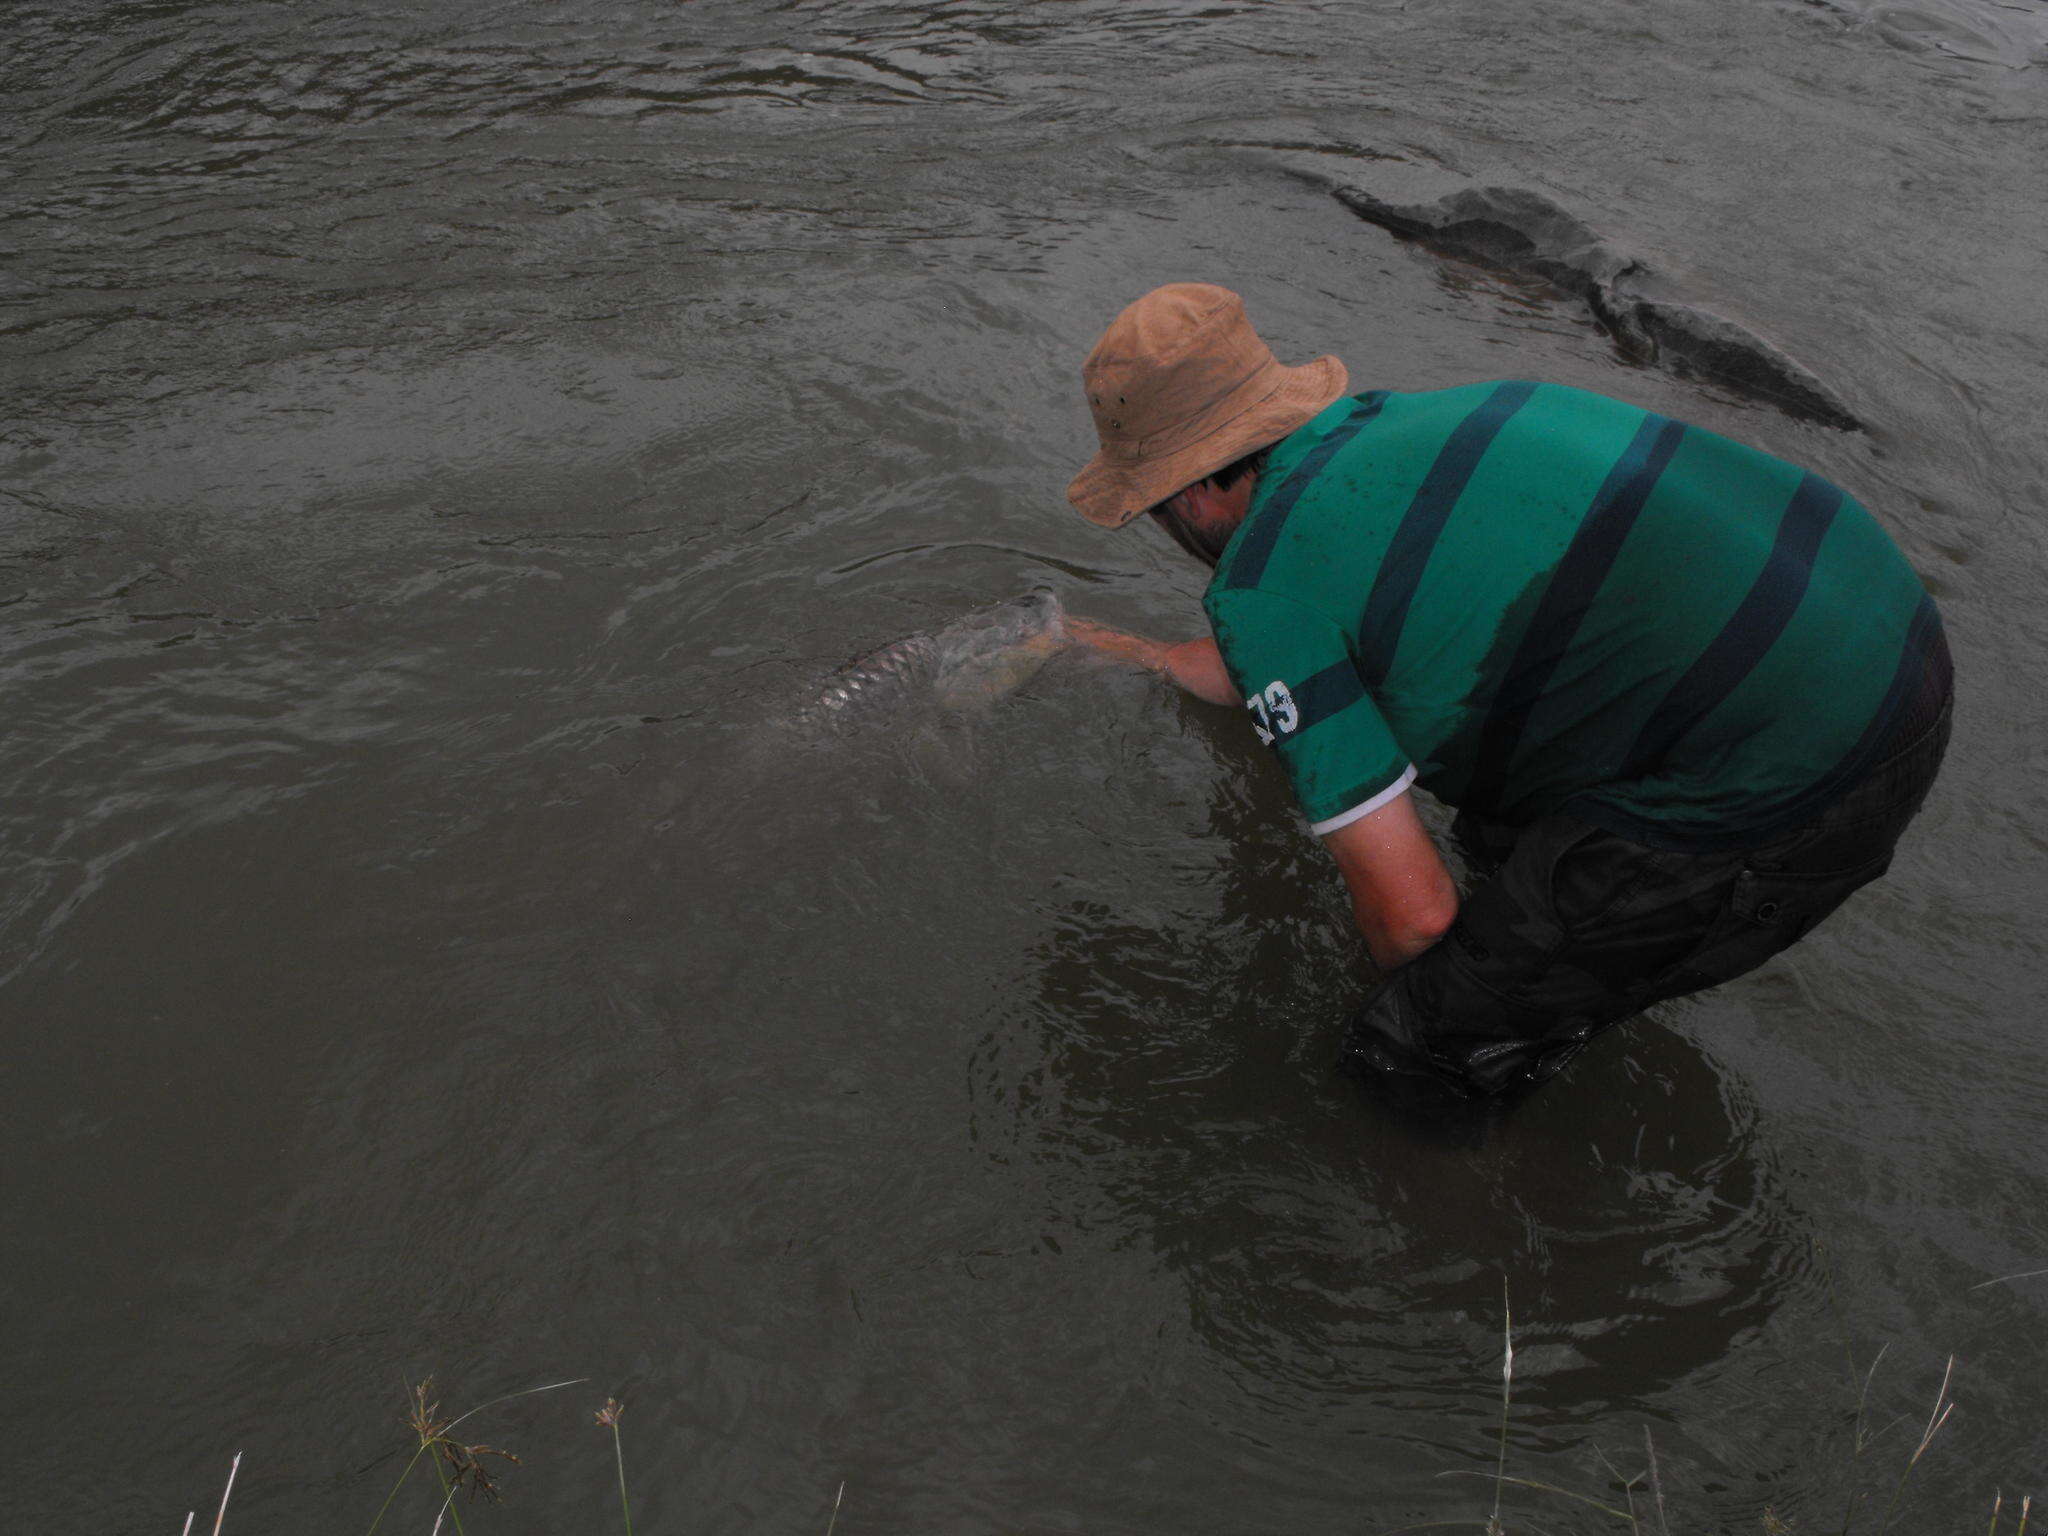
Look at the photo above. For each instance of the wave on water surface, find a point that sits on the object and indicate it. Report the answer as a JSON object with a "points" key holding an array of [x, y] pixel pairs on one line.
{"points": [[1980, 31]]}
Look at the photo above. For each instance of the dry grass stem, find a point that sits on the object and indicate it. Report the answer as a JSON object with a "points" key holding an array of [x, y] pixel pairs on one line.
{"points": [[1492, 1523], [233, 1467], [457, 1465], [431, 1431], [442, 1513], [447, 1499], [1863, 1397], [1936, 1417], [1656, 1482], [1998, 1507], [608, 1418], [1628, 1489], [1507, 1387], [553, 1386], [2025, 1274]]}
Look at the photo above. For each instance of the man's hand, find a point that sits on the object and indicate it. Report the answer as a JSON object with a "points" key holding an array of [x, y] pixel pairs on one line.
{"points": [[1194, 665], [1401, 893]]}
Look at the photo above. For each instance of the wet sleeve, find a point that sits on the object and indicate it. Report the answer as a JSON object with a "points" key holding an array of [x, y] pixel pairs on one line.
{"points": [[1307, 702]]}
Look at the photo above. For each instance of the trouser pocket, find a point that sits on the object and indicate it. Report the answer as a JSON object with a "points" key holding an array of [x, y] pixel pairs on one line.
{"points": [[1768, 910]]}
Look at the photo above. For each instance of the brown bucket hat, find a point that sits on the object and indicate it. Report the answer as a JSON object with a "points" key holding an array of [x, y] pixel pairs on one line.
{"points": [[1180, 385]]}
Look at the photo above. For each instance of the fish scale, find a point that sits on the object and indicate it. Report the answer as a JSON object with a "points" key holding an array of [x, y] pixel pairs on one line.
{"points": [[971, 662], [892, 667]]}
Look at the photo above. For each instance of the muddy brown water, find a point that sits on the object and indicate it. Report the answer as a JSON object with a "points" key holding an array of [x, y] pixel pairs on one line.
{"points": [[438, 445]]}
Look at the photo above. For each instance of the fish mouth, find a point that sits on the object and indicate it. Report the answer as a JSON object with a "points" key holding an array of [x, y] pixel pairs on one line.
{"points": [[1041, 606]]}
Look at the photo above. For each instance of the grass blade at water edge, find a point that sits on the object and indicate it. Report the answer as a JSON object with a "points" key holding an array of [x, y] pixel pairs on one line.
{"points": [[2025, 1274], [553, 1386], [445, 1512], [233, 1467], [1507, 1387], [608, 1417], [447, 1499], [381, 1508], [1656, 1483], [1936, 1417], [1520, 1482]]}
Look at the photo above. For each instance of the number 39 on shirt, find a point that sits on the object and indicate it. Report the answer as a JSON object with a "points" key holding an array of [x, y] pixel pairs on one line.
{"points": [[1273, 711]]}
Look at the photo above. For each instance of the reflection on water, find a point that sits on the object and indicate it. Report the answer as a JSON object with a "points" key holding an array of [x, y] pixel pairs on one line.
{"points": [[1174, 1084]]}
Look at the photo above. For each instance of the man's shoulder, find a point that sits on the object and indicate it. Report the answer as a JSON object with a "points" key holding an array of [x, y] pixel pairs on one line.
{"points": [[1397, 430], [1333, 491]]}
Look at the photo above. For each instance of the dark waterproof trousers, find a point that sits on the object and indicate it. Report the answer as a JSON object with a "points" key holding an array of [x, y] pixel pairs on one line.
{"points": [[1579, 928]]}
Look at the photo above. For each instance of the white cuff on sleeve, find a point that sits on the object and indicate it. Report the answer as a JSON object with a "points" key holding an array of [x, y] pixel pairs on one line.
{"points": [[1366, 808]]}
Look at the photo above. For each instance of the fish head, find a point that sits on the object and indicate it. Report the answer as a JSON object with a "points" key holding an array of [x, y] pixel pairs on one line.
{"points": [[997, 649]]}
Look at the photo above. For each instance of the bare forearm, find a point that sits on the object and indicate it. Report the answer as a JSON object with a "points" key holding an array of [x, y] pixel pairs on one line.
{"points": [[1393, 946], [1197, 666], [1402, 896], [1194, 665]]}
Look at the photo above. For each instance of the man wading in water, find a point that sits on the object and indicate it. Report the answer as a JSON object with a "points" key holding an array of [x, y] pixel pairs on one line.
{"points": [[1686, 696]]}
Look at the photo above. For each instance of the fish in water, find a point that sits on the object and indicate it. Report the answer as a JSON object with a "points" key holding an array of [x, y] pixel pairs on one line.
{"points": [[970, 663]]}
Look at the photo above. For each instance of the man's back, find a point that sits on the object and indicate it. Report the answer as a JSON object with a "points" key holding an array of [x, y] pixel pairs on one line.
{"points": [[1543, 598]]}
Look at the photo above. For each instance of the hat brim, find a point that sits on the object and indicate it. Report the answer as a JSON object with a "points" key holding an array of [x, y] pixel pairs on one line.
{"points": [[1110, 493]]}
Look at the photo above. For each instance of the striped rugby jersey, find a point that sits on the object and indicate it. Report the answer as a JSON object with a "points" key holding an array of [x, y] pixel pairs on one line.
{"points": [[1532, 598]]}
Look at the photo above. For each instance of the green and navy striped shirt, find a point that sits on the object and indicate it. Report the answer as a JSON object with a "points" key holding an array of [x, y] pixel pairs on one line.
{"points": [[1535, 599]]}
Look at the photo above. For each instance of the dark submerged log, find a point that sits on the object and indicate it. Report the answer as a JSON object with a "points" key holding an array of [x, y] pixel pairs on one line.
{"points": [[1523, 232]]}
